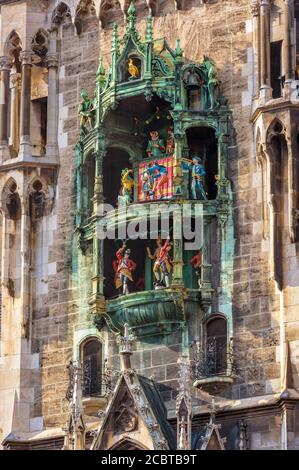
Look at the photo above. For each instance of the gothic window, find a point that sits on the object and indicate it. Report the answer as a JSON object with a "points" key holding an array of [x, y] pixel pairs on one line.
{"points": [[216, 346], [62, 14], [13, 203], [92, 368], [276, 78]]}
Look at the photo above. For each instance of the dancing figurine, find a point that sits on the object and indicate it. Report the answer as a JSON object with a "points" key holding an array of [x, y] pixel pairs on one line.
{"points": [[127, 186], [170, 146], [159, 174], [124, 267], [197, 265], [163, 264], [156, 146]]}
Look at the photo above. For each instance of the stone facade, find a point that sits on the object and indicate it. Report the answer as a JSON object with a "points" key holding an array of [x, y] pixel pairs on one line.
{"points": [[46, 281]]}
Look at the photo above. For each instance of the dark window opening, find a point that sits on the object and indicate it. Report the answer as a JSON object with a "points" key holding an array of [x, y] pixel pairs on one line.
{"points": [[203, 143], [276, 78], [92, 369], [216, 346]]}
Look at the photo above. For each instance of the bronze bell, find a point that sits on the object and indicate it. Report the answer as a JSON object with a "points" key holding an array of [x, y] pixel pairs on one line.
{"points": [[193, 81]]}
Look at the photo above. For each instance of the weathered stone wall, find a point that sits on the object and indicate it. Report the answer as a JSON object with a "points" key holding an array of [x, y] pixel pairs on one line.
{"points": [[222, 30]]}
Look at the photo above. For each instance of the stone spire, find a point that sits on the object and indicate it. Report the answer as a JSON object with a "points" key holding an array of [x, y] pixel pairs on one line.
{"points": [[184, 406], [75, 432]]}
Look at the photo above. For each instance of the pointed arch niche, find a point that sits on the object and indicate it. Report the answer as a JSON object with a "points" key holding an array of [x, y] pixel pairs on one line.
{"points": [[278, 161]]}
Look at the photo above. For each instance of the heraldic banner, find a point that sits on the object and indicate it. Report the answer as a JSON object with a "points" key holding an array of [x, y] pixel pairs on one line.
{"points": [[155, 180]]}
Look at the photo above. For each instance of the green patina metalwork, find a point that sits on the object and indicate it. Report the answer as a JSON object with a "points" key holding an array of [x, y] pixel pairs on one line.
{"points": [[160, 73]]}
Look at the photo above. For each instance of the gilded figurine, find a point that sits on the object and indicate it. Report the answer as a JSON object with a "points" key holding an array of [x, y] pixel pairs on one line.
{"points": [[87, 113], [163, 264], [127, 186], [156, 146], [133, 70], [124, 267]]}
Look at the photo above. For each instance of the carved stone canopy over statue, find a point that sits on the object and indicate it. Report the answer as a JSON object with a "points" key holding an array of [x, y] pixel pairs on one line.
{"points": [[87, 112]]}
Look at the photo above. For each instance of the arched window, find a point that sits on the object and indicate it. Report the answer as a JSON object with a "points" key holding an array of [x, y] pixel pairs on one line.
{"points": [[92, 368], [216, 346]]}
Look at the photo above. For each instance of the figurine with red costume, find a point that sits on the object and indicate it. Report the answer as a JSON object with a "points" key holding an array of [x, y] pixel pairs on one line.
{"points": [[163, 264], [124, 267], [197, 265]]}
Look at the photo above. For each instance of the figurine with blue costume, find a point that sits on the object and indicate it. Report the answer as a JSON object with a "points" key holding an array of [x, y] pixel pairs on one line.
{"points": [[198, 173]]}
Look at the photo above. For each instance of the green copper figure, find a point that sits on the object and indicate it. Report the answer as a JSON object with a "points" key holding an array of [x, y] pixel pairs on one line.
{"points": [[213, 81], [156, 146], [87, 113]]}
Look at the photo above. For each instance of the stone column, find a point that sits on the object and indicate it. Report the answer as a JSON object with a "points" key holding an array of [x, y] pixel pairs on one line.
{"points": [[255, 10], [25, 146], [52, 118], [287, 47], [265, 89], [4, 103], [14, 137]]}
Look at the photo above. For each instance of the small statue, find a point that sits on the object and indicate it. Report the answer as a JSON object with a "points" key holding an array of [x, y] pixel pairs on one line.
{"points": [[159, 174], [124, 268], [170, 146], [198, 172], [197, 265], [156, 146], [127, 186], [213, 81], [87, 113], [163, 264], [147, 186], [133, 70]]}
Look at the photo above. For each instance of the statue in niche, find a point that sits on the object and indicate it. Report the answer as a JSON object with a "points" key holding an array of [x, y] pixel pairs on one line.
{"points": [[197, 172], [156, 146], [170, 145], [196, 262], [124, 267], [163, 264], [127, 186], [87, 113], [133, 70], [212, 81]]}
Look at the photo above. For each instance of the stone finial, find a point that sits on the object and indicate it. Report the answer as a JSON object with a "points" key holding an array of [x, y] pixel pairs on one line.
{"points": [[126, 348]]}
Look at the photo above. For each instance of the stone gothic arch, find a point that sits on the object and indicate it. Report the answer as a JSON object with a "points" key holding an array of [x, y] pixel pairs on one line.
{"points": [[61, 14], [110, 12], [277, 152], [85, 14]]}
